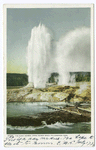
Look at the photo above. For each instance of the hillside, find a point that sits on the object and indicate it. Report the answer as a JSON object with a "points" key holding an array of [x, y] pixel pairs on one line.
{"points": [[14, 79]]}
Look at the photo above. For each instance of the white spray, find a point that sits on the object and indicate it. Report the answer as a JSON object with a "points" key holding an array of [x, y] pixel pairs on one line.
{"points": [[39, 56], [73, 53]]}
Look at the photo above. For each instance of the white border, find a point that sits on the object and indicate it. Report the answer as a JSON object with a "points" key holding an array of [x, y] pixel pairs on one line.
{"points": [[66, 6]]}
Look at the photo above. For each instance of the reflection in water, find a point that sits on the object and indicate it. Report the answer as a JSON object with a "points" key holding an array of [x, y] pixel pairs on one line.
{"points": [[29, 108]]}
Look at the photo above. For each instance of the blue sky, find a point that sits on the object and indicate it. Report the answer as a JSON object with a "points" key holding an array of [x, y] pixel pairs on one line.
{"points": [[20, 22]]}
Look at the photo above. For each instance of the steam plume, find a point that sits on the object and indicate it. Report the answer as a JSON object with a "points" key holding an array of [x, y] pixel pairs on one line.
{"points": [[73, 53], [39, 55]]}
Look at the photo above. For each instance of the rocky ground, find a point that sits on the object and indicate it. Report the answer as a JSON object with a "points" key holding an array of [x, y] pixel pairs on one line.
{"points": [[78, 94], [49, 118], [81, 92]]}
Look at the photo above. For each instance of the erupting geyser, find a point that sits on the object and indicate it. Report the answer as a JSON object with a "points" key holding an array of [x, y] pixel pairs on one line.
{"points": [[39, 55], [70, 54]]}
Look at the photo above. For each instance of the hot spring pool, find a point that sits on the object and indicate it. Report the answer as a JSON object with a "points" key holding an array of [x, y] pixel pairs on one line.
{"points": [[18, 109]]}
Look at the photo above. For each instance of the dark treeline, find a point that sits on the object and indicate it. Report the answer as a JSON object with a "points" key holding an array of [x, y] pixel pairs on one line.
{"points": [[81, 76], [53, 78], [14, 79]]}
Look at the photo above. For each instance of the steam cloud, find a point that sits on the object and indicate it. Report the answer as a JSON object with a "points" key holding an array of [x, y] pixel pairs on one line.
{"points": [[70, 53], [73, 53]]}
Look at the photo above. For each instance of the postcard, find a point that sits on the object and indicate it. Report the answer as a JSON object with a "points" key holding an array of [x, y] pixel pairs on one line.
{"points": [[48, 75]]}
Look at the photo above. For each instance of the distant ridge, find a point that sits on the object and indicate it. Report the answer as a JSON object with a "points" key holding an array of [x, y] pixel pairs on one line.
{"points": [[16, 79], [79, 76]]}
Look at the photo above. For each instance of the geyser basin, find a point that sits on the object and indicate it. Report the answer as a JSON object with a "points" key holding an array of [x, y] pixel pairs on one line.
{"points": [[70, 54], [27, 117]]}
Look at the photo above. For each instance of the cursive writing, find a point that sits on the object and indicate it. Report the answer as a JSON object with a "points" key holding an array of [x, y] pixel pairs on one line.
{"points": [[49, 140]]}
